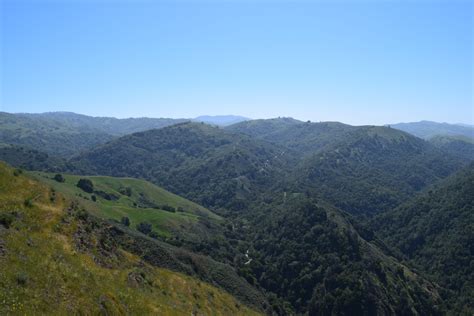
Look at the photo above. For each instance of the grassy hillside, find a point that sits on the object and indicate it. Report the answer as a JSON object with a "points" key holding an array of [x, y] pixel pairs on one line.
{"points": [[170, 215], [435, 231], [53, 260]]}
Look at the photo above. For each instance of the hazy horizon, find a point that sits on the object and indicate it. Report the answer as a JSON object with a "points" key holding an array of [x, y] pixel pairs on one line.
{"points": [[240, 116], [355, 62]]}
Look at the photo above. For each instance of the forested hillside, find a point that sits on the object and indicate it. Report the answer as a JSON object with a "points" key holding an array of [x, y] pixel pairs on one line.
{"points": [[435, 231], [65, 134], [303, 137], [372, 169], [250, 182], [206, 164], [50, 136], [286, 205], [459, 146]]}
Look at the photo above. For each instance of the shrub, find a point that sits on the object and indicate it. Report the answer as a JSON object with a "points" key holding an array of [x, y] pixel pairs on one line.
{"points": [[28, 202], [6, 219], [125, 221], [144, 228], [168, 208], [86, 185], [22, 278], [126, 191], [17, 172], [94, 198], [59, 177]]}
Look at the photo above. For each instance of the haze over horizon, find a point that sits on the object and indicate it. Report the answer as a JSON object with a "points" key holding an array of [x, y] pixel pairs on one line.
{"points": [[354, 62]]}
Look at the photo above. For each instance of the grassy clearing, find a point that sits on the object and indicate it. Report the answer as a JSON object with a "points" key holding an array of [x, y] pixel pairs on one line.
{"points": [[144, 202]]}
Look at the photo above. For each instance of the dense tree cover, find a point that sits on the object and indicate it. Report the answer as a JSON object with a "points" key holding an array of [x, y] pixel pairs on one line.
{"points": [[52, 137], [32, 159], [206, 164], [435, 231], [308, 253], [303, 137], [107, 125], [459, 146], [373, 169]]}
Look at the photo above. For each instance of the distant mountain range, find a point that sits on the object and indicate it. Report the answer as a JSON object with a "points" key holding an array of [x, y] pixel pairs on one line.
{"points": [[221, 120], [428, 129]]}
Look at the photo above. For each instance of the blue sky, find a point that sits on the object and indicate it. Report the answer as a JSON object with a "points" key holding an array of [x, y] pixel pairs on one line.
{"points": [[359, 62]]}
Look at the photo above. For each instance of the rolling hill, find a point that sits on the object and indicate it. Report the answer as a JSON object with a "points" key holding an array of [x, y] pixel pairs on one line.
{"points": [[64, 134], [306, 254], [373, 169], [57, 257], [302, 137], [459, 146], [172, 217], [428, 129], [50, 136], [205, 164], [435, 232]]}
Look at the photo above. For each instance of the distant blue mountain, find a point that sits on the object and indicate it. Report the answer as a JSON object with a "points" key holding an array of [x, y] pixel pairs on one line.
{"points": [[427, 129], [221, 120]]}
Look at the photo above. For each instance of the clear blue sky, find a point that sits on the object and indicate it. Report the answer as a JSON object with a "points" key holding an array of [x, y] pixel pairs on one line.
{"points": [[359, 62]]}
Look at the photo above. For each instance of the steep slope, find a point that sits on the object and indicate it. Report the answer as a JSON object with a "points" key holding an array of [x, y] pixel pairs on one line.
{"points": [[304, 138], [372, 169], [459, 146], [57, 258], [427, 129], [53, 137], [203, 163], [435, 231], [310, 254]]}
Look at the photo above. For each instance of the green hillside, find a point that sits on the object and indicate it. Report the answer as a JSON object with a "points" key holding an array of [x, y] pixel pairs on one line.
{"points": [[216, 168], [139, 201], [302, 137], [459, 146], [31, 159], [52, 137], [435, 231], [304, 253], [54, 260], [372, 169]]}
